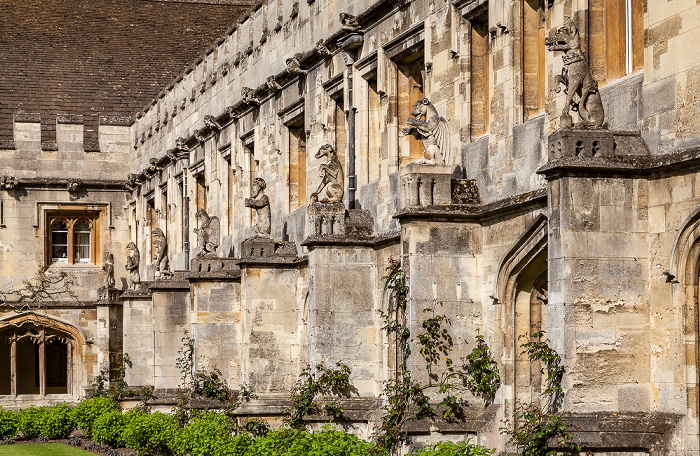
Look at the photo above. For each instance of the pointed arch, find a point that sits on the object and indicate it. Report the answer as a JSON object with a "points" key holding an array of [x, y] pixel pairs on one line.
{"points": [[521, 289], [684, 277], [40, 355]]}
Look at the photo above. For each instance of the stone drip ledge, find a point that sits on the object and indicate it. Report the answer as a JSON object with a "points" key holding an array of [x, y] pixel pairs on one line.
{"points": [[216, 268], [476, 418], [650, 431], [475, 213], [684, 161]]}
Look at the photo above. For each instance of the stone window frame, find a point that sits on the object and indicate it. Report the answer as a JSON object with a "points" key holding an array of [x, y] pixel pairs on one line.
{"points": [[72, 217], [52, 329]]}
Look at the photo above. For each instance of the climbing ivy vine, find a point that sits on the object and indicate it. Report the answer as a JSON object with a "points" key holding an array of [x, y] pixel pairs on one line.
{"points": [[535, 427], [406, 398]]}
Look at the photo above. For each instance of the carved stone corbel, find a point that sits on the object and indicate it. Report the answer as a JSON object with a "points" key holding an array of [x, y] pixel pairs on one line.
{"points": [[322, 49], [248, 96], [349, 23], [8, 182], [210, 121], [272, 84], [199, 137], [74, 186], [294, 64]]}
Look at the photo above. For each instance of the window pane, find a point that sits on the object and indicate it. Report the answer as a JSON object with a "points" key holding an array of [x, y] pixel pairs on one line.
{"points": [[59, 243], [56, 365], [27, 367], [82, 242], [5, 366]]}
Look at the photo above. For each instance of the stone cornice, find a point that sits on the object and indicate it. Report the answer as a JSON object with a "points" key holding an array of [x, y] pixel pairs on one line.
{"points": [[476, 213], [684, 161]]}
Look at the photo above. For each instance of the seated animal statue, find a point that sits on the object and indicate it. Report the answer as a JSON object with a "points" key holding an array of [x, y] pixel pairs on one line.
{"points": [[108, 268], [261, 203], [161, 263], [132, 265], [332, 176], [207, 233], [427, 125], [577, 79]]}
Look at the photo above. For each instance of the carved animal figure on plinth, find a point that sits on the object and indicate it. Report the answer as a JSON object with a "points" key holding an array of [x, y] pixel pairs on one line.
{"points": [[161, 262], [579, 86], [261, 203], [108, 268], [332, 176], [427, 125], [207, 233], [132, 266]]}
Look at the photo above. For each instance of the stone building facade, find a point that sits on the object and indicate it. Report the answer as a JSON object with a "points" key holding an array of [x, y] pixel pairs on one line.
{"points": [[524, 221]]}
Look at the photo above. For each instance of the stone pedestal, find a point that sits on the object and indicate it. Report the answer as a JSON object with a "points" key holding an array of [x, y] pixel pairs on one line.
{"points": [[581, 143], [325, 219], [426, 185], [257, 249]]}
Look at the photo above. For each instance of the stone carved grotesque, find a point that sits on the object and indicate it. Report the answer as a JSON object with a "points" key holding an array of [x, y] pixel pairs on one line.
{"points": [[161, 263], [132, 182], [294, 65], [8, 182], [272, 84], [181, 146], [433, 131], [210, 121], [108, 268], [350, 24], [132, 266], [322, 49], [199, 136], [74, 185], [153, 167], [261, 203], [207, 233], [332, 177], [577, 79], [249, 97]]}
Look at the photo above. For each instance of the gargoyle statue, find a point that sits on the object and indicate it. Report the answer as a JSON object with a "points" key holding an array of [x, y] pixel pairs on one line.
{"points": [[248, 96], [332, 177], [322, 49], [161, 262], [132, 265], [272, 84], [210, 121], [261, 203], [350, 24], [207, 233], [577, 79], [433, 131], [294, 65], [74, 185], [108, 268], [8, 182]]}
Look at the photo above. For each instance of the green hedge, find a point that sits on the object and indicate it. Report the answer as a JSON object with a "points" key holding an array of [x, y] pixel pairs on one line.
{"points": [[151, 434], [56, 422], [88, 410], [206, 434], [8, 423], [455, 449]]}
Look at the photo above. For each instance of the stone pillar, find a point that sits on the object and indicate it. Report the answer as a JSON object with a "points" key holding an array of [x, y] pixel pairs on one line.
{"points": [[598, 303], [138, 336], [273, 316]]}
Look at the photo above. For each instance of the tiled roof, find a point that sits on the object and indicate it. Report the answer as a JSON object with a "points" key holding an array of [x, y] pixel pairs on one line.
{"points": [[99, 57]]}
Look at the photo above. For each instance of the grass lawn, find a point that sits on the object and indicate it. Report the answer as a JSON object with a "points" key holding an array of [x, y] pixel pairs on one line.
{"points": [[42, 449]]}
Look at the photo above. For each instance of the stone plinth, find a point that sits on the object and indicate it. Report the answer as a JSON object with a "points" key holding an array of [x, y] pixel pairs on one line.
{"points": [[325, 219], [426, 185], [573, 142], [264, 250]]}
